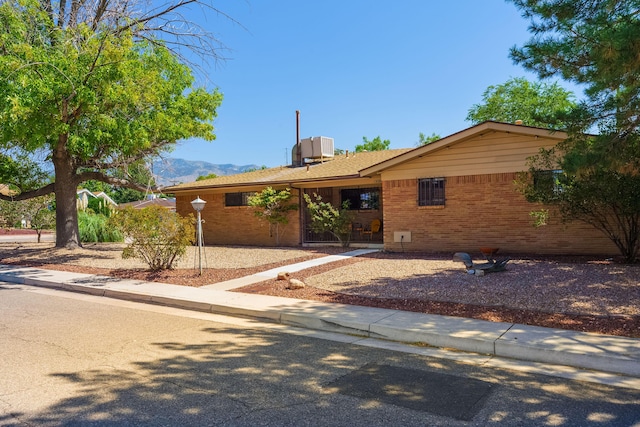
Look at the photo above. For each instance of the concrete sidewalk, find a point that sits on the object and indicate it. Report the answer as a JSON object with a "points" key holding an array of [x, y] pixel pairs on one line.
{"points": [[292, 268], [618, 355]]}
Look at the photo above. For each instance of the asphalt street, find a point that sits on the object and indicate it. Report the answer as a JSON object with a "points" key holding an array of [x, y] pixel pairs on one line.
{"points": [[27, 238], [75, 359]]}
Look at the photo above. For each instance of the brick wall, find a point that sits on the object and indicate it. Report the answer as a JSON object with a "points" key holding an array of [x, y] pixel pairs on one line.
{"points": [[481, 210], [237, 225]]}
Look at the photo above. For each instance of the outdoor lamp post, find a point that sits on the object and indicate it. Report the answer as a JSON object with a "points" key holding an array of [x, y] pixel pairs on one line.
{"points": [[198, 205]]}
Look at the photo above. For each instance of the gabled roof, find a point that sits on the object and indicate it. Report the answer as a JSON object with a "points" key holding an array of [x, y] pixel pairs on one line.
{"points": [[100, 194], [458, 137], [363, 164], [340, 167]]}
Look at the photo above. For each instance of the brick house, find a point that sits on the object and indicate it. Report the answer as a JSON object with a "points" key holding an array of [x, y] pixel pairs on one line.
{"points": [[455, 194], [229, 220]]}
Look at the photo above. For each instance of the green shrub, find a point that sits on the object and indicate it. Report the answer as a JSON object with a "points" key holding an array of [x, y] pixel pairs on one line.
{"points": [[273, 206], [95, 228], [99, 206], [326, 217], [157, 236]]}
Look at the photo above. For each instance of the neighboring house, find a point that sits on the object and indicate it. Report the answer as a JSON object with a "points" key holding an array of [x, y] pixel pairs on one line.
{"points": [[84, 195], [151, 201], [455, 194]]}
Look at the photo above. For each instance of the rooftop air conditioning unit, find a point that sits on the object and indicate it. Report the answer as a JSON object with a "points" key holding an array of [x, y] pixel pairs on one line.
{"points": [[316, 147]]}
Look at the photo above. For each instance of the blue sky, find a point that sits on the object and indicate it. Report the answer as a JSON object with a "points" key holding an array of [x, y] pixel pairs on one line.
{"points": [[353, 68]]}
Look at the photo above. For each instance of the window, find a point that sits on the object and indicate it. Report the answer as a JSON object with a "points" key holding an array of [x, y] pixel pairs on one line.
{"points": [[361, 198], [431, 192], [548, 181], [237, 199]]}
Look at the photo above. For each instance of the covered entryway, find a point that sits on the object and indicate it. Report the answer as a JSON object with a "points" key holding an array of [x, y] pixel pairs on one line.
{"points": [[366, 208]]}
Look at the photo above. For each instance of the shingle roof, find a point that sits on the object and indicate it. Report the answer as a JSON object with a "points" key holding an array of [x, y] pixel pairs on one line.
{"points": [[342, 166]]}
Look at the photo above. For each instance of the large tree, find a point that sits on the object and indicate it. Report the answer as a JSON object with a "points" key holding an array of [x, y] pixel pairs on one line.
{"points": [[535, 103], [137, 173], [594, 43], [88, 88]]}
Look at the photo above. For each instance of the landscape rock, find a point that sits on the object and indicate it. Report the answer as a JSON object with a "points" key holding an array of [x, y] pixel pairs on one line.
{"points": [[283, 275], [295, 284]]}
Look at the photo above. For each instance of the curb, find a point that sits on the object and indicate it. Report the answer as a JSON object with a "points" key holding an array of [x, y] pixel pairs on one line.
{"points": [[619, 355]]}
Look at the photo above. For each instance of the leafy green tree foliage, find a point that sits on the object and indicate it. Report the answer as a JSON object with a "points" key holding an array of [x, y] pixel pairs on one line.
{"points": [[261, 168], [203, 177], [424, 139], [99, 206], [590, 42], [326, 217], [94, 227], [376, 144], [274, 206], [593, 43], [584, 188], [535, 103], [39, 212], [137, 173], [92, 89], [157, 236]]}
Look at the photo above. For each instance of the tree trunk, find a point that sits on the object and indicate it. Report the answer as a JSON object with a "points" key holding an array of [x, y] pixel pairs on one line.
{"points": [[67, 233], [66, 185]]}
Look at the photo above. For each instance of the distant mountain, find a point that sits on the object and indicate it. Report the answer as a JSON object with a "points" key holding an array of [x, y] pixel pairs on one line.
{"points": [[175, 171]]}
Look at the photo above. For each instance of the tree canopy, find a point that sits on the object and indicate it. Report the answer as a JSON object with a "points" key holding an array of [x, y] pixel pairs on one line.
{"points": [[274, 206], [376, 144], [87, 89], [424, 139], [537, 104], [593, 43], [590, 42]]}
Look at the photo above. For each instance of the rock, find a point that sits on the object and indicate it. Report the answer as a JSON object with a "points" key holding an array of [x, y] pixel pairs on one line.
{"points": [[295, 284], [283, 275]]}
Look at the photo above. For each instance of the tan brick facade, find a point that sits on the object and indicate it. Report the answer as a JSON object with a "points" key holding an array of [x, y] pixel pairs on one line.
{"points": [[483, 207], [481, 210], [237, 225]]}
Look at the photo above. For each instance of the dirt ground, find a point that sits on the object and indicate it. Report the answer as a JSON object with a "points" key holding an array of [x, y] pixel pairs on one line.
{"points": [[580, 293]]}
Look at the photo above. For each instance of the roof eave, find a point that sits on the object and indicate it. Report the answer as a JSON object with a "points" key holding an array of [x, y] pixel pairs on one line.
{"points": [[261, 183]]}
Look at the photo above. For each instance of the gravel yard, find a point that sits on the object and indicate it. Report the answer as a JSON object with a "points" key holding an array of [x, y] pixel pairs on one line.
{"points": [[552, 286], [583, 293]]}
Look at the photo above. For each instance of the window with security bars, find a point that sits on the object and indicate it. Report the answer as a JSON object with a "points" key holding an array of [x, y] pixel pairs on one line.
{"points": [[431, 192], [548, 181], [237, 199]]}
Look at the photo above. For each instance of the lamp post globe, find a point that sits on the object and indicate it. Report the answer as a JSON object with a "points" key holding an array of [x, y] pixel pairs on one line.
{"points": [[198, 205]]}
